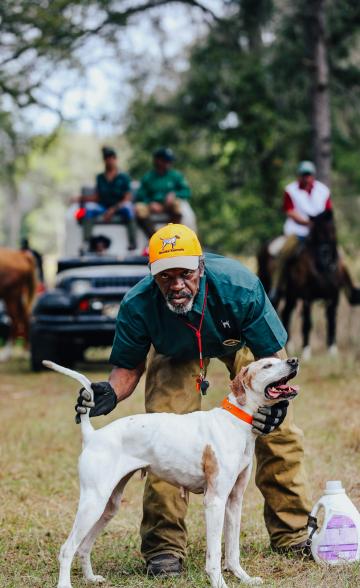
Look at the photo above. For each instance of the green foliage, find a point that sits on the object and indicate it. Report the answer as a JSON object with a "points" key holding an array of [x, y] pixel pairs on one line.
{"points": [[240, 118]]}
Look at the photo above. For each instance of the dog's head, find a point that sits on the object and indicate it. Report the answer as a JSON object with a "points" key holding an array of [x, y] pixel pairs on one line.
{"points": [[265, 382]]}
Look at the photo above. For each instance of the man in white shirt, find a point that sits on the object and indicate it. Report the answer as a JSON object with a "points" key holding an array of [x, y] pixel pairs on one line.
{"points": [[304, 198]]}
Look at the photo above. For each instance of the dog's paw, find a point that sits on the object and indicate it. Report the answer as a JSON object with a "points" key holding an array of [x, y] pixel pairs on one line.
{"points": [[254, 581], [96, 579]]}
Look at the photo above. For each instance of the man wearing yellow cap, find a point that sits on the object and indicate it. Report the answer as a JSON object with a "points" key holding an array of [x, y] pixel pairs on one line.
{"points": [[189, 309]]}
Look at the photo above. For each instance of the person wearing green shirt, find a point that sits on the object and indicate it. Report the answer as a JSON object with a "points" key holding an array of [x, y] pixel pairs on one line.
{"points": [[161, 191], [234, 321], [112, 198]]}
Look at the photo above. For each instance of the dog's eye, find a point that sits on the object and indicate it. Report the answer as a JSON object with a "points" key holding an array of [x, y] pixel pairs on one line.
{"points": [[268, 365]]}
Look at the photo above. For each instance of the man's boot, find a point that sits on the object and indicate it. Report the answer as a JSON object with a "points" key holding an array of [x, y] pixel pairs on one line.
{"points": [[165, 564]]}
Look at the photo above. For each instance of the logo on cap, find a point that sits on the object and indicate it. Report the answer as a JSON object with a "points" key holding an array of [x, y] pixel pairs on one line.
{"points": [[171, 241]]}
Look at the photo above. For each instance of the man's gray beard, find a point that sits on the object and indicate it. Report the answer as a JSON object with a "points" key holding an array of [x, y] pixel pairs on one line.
{"points": [[183, 309]]}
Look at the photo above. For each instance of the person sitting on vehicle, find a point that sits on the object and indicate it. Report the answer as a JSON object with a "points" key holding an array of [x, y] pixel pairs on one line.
{"points": [[303, 198], [112, 197], [161, 191]]}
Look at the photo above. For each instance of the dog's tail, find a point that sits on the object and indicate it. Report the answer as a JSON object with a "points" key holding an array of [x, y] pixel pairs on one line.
{"points": [[86, 427]]}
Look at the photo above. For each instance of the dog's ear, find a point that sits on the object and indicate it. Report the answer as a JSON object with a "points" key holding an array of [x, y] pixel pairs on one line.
{"points": [[237, 386]]}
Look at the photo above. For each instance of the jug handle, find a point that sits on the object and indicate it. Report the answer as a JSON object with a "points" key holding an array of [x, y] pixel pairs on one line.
{"points": [[312, 520]]}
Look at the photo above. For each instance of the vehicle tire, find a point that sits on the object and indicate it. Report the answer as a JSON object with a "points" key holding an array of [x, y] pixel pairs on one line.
{"points": [[67, 356], [42, 347]]}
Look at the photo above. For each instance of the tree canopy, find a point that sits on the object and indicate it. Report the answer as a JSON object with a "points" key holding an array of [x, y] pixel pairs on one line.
{"points": [[241, 116]]}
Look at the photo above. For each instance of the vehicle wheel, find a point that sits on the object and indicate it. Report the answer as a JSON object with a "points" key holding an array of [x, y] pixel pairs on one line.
{"points": [[42, 347], [67, 356]]}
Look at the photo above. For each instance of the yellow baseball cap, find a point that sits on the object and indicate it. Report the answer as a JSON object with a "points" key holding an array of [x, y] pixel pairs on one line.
{"points": [[174, 246]]}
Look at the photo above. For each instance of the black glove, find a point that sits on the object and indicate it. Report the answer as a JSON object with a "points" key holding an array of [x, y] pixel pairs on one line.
{"points": [[268, 418], [105, 400]]}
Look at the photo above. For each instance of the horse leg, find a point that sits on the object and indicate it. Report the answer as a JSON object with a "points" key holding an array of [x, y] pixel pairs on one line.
{"points": [[24, 318], [10, 305], [306, 328], [331, 309]]}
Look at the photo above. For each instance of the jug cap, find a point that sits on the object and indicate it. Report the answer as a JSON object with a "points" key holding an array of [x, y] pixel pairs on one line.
{"points": [[334, 487]]}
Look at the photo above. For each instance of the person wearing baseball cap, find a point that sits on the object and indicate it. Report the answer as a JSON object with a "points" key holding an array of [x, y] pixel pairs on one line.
{"points": [[112, 199], [193, 307], [174, 246], [304, 198], [162, 190]]}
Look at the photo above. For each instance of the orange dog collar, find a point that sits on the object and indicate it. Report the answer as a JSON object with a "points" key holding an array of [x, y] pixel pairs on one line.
{"points": [[236, 411]]}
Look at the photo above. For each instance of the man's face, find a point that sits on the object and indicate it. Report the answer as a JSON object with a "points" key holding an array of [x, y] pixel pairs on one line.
{"points": [[110, 163], [162, 165], [179, 287], [306, 180]]}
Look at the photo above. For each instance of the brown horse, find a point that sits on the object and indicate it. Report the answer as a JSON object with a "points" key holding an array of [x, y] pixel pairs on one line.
{"points": [[315, 272], [17, 288]]}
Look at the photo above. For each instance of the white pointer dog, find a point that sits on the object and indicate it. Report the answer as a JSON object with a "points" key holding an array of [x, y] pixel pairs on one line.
{"points": [[208, 452]]}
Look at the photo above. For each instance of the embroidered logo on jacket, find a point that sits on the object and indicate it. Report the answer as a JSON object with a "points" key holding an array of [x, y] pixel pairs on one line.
{"points": [[231, 342]]}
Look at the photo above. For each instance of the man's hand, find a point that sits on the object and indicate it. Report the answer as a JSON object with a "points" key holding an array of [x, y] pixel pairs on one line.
{"points": [[105, 400], [268, 418], [109, 213], [156, 207], [170, 198]]}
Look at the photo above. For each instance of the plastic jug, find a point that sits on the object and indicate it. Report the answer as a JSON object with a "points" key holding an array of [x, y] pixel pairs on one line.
{"points": [[338, 539]]}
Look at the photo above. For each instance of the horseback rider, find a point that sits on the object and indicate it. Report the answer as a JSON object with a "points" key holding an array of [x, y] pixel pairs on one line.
{"points": [[112, 197], [304, 198], [161, 191]]}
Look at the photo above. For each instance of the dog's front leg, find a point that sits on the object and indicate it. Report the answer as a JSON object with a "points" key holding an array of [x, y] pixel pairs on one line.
{"points": [[232, 529], [214, 517]]}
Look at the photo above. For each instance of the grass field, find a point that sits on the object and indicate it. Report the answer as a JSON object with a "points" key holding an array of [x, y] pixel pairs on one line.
{"points": [[39, 487]]}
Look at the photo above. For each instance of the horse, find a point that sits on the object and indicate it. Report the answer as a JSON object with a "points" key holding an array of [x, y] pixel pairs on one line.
{"points": [[17, 290], [315, 272]]}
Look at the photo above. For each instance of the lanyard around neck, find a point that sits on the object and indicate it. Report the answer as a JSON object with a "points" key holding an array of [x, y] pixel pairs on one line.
{"points": [[201, 384]]}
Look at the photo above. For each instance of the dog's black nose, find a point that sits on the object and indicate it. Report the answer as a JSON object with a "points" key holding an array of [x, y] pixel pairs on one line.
{"points": [[293, 361]]}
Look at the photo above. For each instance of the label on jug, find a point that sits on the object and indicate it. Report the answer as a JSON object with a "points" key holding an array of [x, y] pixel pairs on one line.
{"points": [[340, 540]]}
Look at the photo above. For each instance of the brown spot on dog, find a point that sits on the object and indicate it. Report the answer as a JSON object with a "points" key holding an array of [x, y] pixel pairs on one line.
{"points": [[238, 384], [209, 465]]}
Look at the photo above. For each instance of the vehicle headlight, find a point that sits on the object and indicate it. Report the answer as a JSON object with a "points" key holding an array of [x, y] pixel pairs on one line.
{"points": [[79, 287]]}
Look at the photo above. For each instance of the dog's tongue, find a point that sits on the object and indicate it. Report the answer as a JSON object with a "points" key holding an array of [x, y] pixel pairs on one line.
{"points": [[282, 389]]}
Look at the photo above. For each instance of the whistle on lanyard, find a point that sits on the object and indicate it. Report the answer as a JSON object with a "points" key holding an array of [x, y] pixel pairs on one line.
{"points": [[202, 385]]}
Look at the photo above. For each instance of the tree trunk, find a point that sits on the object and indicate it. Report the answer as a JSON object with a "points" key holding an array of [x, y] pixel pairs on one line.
{"points": [[321, 117]]}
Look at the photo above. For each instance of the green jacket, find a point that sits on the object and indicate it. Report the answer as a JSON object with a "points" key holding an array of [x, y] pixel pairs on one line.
{"points": [[238, 313], [155, 187], [112, 192]]}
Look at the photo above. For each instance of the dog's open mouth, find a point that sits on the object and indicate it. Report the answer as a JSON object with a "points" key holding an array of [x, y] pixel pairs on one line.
{"points": [[281, 388]]}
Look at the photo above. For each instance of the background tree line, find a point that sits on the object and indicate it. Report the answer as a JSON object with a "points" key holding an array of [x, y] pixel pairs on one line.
{"points": [[244, 113], [267, 83]]}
